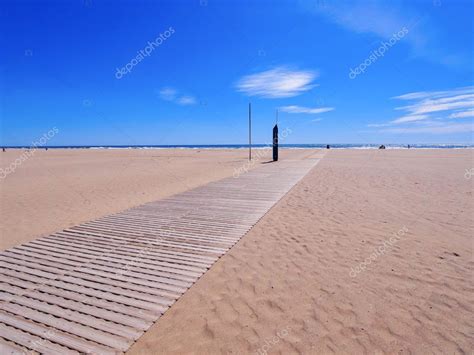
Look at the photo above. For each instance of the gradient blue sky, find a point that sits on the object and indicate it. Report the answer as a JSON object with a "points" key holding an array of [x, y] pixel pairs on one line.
{"points": [[59, 62]]}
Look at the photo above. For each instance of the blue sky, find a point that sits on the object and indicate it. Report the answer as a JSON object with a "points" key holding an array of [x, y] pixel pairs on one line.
{"points": [[183, 72]]}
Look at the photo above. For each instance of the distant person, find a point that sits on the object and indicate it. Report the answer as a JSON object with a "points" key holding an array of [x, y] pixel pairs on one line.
{"points": [[408, 146], [46, 148], [3, 149], [382, 147], [328, 146]]}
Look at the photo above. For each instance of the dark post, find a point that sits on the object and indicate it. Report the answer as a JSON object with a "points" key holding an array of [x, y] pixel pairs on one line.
{"points": [[250, 131], [275, 143]]}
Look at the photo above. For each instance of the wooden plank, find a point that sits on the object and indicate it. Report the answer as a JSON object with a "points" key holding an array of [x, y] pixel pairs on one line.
{"points": [[28, 270], [138, 265], [176, 254], [54, 335], [25, 285], [32, 343], [146, 295], [198, 235], [107, 293], [12, 290], [24, 276], [47, 305], [47, 252], [74, 243], [151, 259], [62, 324], [79, 303], [164, 242], [129, 315], [49, 267], [162, 283], [189, 253], [39, 257], [181, 223]]}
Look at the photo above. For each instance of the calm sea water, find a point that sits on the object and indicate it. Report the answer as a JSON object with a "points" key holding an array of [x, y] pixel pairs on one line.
{"points": [[257, 146]]}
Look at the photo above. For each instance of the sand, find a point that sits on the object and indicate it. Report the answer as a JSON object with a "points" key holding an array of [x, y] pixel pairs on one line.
{"points": [[287, 286], [57, 189], [294, 283]]}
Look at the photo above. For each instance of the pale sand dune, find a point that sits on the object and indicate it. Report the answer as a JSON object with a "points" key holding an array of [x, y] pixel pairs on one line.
{"points": [[290, 275], [56, 189]]}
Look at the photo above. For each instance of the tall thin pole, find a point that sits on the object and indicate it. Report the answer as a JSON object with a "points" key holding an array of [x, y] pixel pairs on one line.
{"points": [[250, 131]]}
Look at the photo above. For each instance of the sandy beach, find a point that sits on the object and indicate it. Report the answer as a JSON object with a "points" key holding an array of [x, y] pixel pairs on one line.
{"points": [[370, 253]]}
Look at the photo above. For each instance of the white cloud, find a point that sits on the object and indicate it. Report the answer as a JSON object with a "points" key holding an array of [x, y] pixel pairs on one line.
{"points": [[382, 19], [409, 118], [277, 83], [434, 94], [363, 17], [300, 109], [372, 125], [437, 129], [168, 94], [378, 18], [430, 110], [186, 100], [462, 114], [440, 104]]}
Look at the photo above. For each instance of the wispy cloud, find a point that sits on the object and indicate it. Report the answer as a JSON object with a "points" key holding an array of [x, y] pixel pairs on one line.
{"points": [[364, 17], [441, 104], [435, 94], [378, 18], [170, 94], [301, 109], [277, 83], [383, 18], [409, 118], [435, 129], [462, 114], [375, 125], [431, 111], [186, 100]]}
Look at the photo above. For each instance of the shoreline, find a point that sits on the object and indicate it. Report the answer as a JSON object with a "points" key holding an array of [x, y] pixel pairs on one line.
{"points": [[245, 147]]}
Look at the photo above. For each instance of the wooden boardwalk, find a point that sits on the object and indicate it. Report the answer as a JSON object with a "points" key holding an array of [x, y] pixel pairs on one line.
{"points": [[97, 287]]}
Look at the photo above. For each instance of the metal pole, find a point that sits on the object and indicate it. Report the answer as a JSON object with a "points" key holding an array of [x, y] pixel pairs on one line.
{"points": [[250, 131]]}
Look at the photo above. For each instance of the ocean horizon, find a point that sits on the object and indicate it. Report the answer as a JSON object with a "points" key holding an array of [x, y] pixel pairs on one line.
{"points": [[254, 146]]}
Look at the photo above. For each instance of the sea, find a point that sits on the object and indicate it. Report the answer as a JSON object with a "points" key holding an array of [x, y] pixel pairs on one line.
{"points": [[256, 146]]}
